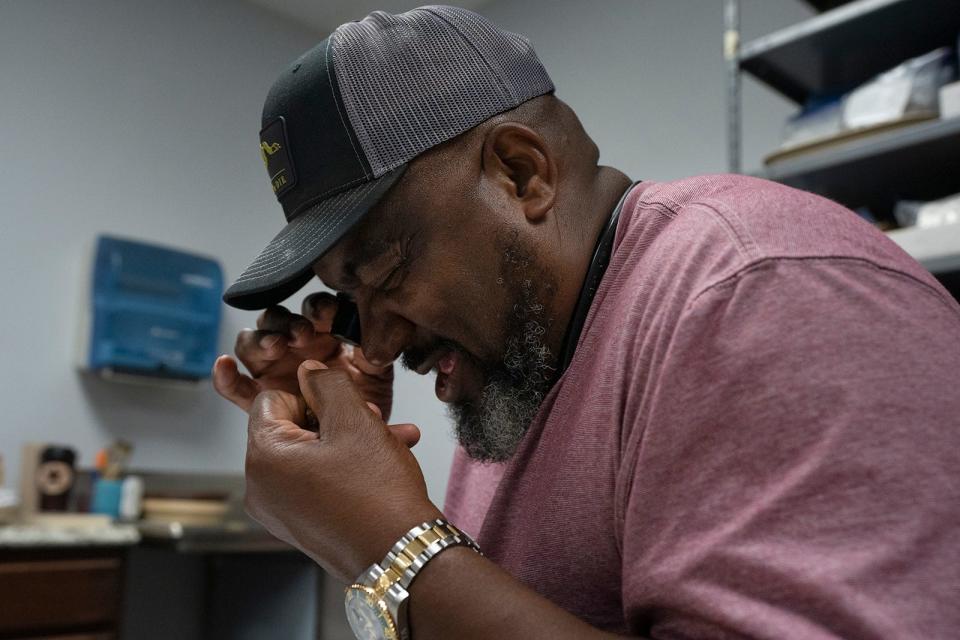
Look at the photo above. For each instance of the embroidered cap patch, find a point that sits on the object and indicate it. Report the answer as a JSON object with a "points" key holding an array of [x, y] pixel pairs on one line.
{"points": [[276, 157]]}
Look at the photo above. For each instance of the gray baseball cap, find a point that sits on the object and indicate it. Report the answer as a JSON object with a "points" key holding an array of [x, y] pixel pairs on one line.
{"points": [[343, 121]]}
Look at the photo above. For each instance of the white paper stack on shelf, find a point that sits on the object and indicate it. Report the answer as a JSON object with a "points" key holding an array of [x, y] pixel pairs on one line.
{"points": [[928, 215], [909, 89]]}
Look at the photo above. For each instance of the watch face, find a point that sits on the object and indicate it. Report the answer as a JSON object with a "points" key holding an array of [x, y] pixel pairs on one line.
{"points": [[368, 615]]}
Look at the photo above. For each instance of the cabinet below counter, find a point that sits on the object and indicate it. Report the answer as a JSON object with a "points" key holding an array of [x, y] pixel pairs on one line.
{"points": [[61, 593]]}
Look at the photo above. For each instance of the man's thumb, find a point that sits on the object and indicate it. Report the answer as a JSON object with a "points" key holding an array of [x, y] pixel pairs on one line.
{"points": [[327, 391]]}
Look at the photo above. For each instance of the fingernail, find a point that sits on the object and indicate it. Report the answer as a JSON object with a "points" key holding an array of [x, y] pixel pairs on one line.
{"points": [[268, 341], [312, 365]]}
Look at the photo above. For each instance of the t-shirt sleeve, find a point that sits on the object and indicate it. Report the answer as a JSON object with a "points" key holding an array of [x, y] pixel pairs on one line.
{"points": [[795, 468]]}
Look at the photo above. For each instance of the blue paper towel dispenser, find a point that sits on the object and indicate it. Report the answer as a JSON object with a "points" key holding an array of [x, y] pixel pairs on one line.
{"points": [[153, 312]]}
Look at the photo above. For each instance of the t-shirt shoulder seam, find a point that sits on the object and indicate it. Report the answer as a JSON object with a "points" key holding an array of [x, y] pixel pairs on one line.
{"points": [[731, 279], [744, 243]]}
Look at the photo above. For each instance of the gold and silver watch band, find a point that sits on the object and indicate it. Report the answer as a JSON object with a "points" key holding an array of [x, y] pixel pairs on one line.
{"points": [[376, 604], [420, 544]]}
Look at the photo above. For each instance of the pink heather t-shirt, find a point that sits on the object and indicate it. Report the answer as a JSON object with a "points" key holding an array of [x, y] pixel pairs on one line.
{"points": [[758, 436]]}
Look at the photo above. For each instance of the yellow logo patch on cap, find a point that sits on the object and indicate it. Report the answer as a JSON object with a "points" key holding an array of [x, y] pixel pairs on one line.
{"points": [[276, 157], [268, 150]]}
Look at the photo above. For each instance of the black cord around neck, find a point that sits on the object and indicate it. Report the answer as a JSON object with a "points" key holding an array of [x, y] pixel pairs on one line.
{"points": [[598, 266]]}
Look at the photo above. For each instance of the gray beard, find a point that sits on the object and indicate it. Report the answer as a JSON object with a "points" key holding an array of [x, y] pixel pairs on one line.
{"points": [[490, 430]]}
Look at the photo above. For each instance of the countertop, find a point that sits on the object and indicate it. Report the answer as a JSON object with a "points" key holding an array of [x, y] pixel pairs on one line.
{"points": [[235, 533], [42, 535]]}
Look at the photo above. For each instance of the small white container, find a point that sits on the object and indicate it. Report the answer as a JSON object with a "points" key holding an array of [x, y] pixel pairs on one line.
{"points": [[950, 101], [131, 498]]}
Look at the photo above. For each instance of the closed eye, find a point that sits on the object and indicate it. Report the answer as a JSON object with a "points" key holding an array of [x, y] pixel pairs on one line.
{"points": [[401, 267], [395, 278]]}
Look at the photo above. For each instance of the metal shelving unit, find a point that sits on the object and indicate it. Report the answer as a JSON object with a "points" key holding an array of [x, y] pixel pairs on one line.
{"points": [[832, 53], [914, 162], [844, 47]]}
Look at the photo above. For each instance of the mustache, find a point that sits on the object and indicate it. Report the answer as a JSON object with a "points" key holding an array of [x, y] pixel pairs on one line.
{"points": [[416, 355]]}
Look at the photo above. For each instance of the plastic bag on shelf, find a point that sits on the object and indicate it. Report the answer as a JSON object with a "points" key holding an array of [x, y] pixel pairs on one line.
{"points": [[909, 89]]}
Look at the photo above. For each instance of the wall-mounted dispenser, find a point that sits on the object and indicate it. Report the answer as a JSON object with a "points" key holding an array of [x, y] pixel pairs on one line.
{"points": [[152, 313]]}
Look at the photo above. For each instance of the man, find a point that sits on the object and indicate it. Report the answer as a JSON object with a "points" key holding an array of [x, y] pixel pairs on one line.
{"points": [[711, 408]]}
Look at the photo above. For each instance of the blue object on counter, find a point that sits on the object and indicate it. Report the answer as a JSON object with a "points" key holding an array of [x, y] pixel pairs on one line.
{"points": [[154, 311], [106, 497]]}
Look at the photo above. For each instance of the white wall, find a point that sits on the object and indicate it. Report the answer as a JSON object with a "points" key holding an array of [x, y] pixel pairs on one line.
{"points": [[137, 118], [647, 77], [140, 118]]}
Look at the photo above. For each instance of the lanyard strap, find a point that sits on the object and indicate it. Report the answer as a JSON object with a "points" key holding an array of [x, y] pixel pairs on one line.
{"points": [[598, 266]]}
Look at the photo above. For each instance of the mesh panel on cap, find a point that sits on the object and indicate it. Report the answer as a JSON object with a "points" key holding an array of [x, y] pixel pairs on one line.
{"points": [[508, 54], [414, 80]]}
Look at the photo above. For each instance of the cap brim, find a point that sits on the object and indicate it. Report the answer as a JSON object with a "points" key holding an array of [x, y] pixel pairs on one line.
{"points": [[284, 266]]}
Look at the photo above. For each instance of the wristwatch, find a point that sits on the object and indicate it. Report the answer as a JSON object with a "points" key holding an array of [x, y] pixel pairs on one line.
{"points": [[376, 603]]}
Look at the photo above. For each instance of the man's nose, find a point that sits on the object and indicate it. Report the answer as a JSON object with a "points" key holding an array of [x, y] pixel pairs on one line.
{"points": [[385, 334]]}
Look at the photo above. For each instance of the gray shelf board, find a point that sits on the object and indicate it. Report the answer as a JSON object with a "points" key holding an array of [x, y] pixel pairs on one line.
{"points": [[844, 47], [916, 162], [937, 248]]}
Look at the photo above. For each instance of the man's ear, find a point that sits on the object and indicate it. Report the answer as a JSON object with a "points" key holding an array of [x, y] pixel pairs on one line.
{"points": [[517, 160]]}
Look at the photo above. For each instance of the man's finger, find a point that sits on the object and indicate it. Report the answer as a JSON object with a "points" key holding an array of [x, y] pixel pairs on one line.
{"points": [[301, 330], [309, 343], [233, 385], [320, 308], [407, 434], [278, 416], [258, 349], [278, 406], [330, 393], [276, 319]]}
